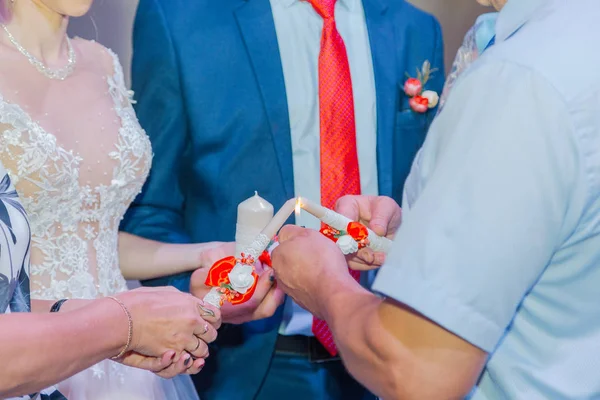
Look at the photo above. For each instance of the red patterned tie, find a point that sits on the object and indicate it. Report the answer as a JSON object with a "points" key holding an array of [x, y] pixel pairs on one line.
{"points": [[339, 159]]}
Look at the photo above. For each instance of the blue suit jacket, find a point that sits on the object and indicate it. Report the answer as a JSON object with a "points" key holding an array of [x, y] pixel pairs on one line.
{"points": [[209, 83]]}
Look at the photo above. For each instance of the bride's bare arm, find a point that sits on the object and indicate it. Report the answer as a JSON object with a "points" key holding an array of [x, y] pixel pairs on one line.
{"points": [[142, 258]]}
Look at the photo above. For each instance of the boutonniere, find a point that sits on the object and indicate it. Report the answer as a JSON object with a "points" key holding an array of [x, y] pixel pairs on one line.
{"points": [[420, 100], [354, 238]]}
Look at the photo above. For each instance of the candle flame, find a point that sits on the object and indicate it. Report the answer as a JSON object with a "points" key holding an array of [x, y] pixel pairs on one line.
{"points": [[298, 207]]}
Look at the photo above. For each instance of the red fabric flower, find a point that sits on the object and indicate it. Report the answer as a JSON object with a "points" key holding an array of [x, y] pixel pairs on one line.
{"points": [[358, 231], [218, 273], [265, 258]]}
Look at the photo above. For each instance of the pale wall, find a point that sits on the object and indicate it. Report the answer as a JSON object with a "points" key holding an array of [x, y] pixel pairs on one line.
{"points": [[456, 17], [110, 21]]}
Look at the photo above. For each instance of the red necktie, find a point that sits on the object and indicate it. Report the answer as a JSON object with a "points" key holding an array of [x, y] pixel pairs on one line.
{"points": [[339, 158]]}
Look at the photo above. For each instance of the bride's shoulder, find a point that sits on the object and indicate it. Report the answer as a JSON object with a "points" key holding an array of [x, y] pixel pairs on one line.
{"points": [[94, 55]]}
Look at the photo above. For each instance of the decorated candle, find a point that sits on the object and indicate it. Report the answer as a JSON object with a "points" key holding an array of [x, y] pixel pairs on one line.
{"points": [[253, 215], [340, 223], [241, 278]]}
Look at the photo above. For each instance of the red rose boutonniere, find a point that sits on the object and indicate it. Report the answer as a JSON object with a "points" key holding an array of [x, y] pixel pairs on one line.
{"points": [[420, 100]]}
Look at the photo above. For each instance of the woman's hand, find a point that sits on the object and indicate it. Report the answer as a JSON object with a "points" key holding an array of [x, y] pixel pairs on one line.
{"points": [[165, 319], [263, 304], [166, 366]]}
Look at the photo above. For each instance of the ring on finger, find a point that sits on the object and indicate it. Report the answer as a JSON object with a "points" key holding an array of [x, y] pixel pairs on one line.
{"points": [[198, 345], [205, 312], [205, 329]]}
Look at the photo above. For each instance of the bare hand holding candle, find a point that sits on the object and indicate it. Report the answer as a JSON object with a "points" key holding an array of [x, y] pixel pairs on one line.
{"points": [[341, 223], [234, 279]]}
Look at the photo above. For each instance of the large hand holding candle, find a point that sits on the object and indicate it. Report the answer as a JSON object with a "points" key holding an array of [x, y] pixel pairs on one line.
{"points": [[341, 223], [234, 279]]}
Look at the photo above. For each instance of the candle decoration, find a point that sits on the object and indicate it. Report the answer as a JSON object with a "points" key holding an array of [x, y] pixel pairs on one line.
{"points": [[234, 279], [343, 227]]}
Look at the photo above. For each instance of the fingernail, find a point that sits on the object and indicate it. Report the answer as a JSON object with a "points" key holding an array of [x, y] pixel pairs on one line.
{"points": [[187, 361], [303, 226]]}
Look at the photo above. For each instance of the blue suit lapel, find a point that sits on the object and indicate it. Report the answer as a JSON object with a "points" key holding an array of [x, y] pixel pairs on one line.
{"points": [[255, 20], [381, 38]]}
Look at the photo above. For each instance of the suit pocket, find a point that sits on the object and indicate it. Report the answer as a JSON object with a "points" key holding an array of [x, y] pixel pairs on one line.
{"points": [[409, 135]]}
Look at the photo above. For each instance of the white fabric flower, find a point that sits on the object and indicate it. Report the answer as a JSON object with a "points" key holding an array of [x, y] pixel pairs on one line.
{"points": [[432, 97], [347, 244], [241, 278]]}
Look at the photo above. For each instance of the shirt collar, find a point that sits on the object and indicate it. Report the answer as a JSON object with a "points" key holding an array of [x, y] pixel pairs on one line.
{"points": [[514, 15], [485, 29], [348, 4]]}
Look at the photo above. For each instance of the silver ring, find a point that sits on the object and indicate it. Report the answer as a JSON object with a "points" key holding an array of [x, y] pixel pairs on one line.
{"points": [[198, 346], [205, 312]]}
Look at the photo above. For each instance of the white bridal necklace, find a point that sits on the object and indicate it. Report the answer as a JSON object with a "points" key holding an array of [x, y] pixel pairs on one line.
{"points": [[60, 73]]}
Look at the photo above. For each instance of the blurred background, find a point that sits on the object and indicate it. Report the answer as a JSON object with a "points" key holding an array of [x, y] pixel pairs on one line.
{"points": [[110, 22]]}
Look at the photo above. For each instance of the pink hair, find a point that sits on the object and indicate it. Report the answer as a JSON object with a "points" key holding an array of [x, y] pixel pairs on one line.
{"points": [[4, 14]]}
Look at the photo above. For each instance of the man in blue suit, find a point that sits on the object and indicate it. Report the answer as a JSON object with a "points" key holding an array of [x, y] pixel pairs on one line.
{"points": [[228, 92]]}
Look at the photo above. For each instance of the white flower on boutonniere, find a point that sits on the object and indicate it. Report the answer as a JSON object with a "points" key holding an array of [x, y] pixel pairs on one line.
{"points": [[241, 278], [432, 98], [347, 244]]}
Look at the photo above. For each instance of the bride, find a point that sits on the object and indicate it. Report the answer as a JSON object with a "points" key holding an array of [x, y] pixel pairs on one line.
{"points": [[77, 156]]}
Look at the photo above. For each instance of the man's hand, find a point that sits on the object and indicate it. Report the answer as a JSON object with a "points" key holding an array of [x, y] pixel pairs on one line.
{"points": [[309, 267], [263, 304], [381, 214]]}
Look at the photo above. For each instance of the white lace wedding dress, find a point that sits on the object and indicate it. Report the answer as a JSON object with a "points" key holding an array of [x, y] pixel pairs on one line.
{"points": [[77, 157]]}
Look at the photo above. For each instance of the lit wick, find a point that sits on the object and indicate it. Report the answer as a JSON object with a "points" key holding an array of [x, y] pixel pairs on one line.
{"points": [[298, 210]]}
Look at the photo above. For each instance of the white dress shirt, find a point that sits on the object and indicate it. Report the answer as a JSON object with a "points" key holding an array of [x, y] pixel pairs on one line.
{"points": [[299, 29]]}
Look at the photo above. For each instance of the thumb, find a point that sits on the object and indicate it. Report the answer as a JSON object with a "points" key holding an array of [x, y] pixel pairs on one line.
{"points": [[349, 207], [386, 216], [289, 232], [264, 284]]}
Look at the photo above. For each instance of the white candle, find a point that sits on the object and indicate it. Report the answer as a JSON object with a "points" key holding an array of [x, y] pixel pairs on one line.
{"points": [[253, 215], [340, 223], [255, 249]]}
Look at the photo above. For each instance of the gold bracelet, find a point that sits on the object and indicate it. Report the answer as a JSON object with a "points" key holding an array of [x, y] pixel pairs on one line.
{"points": [[130, 323]]}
